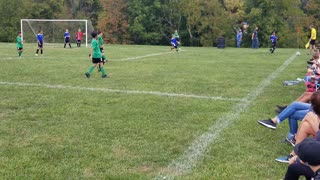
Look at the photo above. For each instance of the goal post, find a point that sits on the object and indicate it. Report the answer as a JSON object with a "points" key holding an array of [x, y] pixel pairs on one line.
{"points": [[54, 28]]}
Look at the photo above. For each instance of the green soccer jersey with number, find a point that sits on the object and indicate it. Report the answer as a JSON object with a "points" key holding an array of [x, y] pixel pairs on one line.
{"points": [[19, 42], [100, 40], [96, 49]]}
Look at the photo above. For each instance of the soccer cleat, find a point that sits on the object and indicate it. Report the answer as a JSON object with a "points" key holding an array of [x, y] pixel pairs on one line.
{"points": [[291, 139], [105, 76], [268, 123], [87, 75], [284, 159]]}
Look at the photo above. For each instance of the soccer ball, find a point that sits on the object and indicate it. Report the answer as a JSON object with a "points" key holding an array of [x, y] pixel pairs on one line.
{"points": [[298, 53]]}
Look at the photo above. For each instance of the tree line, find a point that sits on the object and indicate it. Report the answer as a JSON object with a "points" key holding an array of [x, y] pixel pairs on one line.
{"points": [[199, 22]]}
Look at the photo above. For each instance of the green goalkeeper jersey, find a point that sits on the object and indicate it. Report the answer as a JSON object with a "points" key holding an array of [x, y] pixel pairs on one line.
{"points": [[19, 42], [96, 49], [100, 40]]}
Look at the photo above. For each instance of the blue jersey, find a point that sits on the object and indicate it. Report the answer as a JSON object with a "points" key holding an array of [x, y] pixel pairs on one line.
{"points": [[40, 37], [66, 34], [273, 38], [174, 41], [239, 36]]}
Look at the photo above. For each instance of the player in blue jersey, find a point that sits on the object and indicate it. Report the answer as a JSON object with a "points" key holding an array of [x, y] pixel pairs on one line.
{"points": [[273, 39], [174, 43], [66, 38], [40, 42]]}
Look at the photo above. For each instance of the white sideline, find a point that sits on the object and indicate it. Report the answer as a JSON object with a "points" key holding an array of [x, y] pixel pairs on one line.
{"points": [[200, 146], [123, 91]]}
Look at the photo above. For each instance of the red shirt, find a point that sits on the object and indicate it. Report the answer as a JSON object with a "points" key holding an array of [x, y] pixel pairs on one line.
{"points": [[79, 35]]}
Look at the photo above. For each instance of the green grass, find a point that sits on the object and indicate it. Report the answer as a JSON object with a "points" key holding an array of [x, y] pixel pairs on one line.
{"points": [[74, 133]]}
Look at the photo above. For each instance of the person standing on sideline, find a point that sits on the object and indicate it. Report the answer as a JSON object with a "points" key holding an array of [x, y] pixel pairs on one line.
{"points": [[273, 39], [313, 37], [79, 36], [254, 38], [40, 42], [96, 56], [19, 44], [66, 38], [239, 38], [177, 37]]}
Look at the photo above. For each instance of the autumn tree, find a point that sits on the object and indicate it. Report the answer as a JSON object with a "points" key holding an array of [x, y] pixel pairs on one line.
{"points": [[113, 21]]}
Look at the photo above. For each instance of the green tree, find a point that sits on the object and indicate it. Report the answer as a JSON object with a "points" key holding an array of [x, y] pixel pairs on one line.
{"points": [[10, 15], [270, 15], [144, 21]]}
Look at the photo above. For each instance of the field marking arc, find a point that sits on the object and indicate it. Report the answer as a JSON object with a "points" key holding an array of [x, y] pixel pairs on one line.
{"points": [[200, 146], [156, 93]]}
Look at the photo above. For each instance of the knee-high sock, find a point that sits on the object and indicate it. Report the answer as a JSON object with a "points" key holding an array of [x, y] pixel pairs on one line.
{"points": [[103, 71], [90, 70]]}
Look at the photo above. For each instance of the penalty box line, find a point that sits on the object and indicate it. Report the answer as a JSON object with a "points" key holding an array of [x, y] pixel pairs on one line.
{"points": [[201, 145], [155, 93]]}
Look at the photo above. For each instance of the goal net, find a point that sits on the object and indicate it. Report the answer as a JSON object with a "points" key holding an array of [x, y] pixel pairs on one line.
{"points": [[53, 30]]}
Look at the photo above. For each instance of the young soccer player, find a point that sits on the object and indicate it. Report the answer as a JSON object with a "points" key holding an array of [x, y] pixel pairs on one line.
{"points": [[79, 37], [19, 43], [96, 56], [177, 37], [174, 43], [273, 39], [66, 38], [40, 42], [100, 41]]}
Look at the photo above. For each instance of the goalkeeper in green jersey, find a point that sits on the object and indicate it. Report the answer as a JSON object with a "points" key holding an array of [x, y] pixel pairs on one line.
{"points": [[96, 56], [19, 44]]}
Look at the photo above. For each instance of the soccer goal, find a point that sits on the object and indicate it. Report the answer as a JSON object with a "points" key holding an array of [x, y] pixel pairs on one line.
{"points": [[53, 29]]}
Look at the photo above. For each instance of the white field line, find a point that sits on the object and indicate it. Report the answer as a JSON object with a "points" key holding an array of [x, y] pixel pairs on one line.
{"points": [[122, 91], [148, 55], [124, 59], [200, 146]]}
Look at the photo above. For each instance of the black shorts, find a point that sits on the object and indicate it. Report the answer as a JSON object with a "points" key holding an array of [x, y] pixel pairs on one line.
{"points": [[96, 60], [313, 42], [40, 44], [101, 50], [67, 40], [79, 40], [19, 49]]}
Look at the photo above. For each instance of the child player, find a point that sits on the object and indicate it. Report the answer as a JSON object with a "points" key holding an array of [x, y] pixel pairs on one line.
{"points": [[79, 36], [40, 42], [19, 42], [174, 43], [66, 38], [177, 37], [100, 41], [96, 56], [273, 39]]}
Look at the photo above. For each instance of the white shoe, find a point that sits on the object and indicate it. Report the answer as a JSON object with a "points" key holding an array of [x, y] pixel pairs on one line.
{"points": [[299, 79], [36, 54]]}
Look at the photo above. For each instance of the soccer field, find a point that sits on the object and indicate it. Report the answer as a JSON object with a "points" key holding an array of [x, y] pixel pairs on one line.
{"points": [[161, 114]]}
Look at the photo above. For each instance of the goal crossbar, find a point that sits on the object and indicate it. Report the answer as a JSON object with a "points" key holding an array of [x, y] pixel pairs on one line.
{"points": [[56, 20]]}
